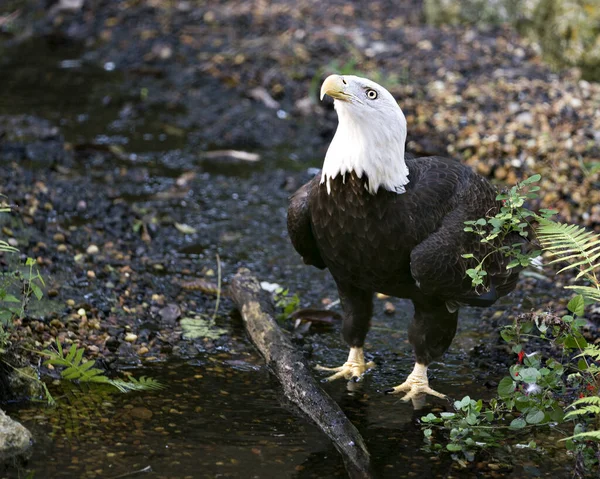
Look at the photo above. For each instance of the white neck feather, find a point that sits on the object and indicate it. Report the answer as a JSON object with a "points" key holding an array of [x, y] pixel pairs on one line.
{"points": [[372, 145]]}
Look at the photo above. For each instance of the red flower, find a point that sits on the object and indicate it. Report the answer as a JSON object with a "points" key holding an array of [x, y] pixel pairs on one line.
{"points": [[521, 355], [581, 395], [590, 388], [516, 374]]}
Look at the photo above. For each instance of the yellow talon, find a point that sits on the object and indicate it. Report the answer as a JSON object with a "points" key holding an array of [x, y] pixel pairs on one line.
{"points": [[416, 387], [354, 367]]}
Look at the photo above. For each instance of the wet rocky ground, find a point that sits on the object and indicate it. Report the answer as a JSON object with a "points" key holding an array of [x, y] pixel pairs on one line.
{"points": [[110, 117]]}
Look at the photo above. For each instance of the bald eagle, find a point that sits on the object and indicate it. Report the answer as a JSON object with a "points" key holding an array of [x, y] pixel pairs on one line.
{"points": [[382, 222]]}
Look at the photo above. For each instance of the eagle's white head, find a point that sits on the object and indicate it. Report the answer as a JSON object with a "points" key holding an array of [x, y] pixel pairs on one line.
{"points": [[370, 136]]}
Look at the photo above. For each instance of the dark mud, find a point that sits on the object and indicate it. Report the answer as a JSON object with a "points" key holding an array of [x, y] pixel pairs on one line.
{"points": [[105, 115]]}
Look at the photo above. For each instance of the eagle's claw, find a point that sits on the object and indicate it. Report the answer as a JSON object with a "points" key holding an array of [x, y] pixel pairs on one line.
{"points": [[351, 370], [416, 387], [413, 390]]}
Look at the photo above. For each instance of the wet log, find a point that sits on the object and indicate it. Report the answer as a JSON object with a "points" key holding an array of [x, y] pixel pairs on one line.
{"points": [[289, 367]]}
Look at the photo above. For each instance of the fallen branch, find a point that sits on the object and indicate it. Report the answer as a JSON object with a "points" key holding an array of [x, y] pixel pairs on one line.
{"points": [[234, 154], [292, 371]]}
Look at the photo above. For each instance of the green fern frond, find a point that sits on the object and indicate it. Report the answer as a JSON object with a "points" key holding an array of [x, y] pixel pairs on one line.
{"points": [[588, 436], [572, 243], [142, 384], [594, 400], [583, 411], [591, 351], [588, 292], [6, 248], [77, 369]]}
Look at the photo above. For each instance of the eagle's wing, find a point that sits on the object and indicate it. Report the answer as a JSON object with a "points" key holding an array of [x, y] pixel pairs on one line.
{"points": [[299, 225], [437, 263]]}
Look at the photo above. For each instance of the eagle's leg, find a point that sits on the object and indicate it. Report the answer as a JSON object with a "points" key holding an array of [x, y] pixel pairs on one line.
{"points": [[430, 334], [358, 308]]}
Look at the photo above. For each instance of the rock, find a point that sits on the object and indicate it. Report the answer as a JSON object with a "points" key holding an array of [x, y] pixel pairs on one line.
{"points": [[141, 413], [14, 437], [92, 249], [130, 337], [389, 308], [170, 313], [21, 386]]}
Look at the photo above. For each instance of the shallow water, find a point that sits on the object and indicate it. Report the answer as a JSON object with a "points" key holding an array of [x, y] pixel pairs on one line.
{"points": [[220, 414]]}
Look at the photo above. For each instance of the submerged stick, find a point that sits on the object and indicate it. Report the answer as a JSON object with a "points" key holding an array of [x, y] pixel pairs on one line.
{"points": [[293, 373]]}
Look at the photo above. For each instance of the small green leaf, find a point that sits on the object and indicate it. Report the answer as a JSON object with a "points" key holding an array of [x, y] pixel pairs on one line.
{"points": [[453, 447], [506, 387], [429, 418], [535, 416], [508, 334], [9, 298], [472, 419], [518, 423], [513, 263], [37, 291], [532, 179], [577, 305], [200, 327], [529, 375], [447, 415], [71, 354]]}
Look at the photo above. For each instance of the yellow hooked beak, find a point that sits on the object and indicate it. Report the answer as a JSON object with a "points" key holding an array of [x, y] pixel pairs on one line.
{"points": [[335, 86]]}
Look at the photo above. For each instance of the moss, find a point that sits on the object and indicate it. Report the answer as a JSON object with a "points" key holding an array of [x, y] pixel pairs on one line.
{"points": [[567, 31]]}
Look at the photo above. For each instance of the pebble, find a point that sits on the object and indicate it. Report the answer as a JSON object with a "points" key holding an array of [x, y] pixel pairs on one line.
{"points": [[143, 350], [81, 312], [141, 413], [61, 248], [91, 274], [130, 337], [92, 249], [389, 308], [59, 238]]}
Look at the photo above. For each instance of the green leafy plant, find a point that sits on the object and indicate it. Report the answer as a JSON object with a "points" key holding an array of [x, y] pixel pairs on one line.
{"points": [[534, 394], [16, 289], [539, 389], [579, 248], [285, 302], [584, 406], [77, 369], [202, 325], [31, 283], [512, 218]]}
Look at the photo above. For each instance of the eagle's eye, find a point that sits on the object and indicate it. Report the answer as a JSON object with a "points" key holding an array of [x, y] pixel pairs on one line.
{"points": [[371, 94]]}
